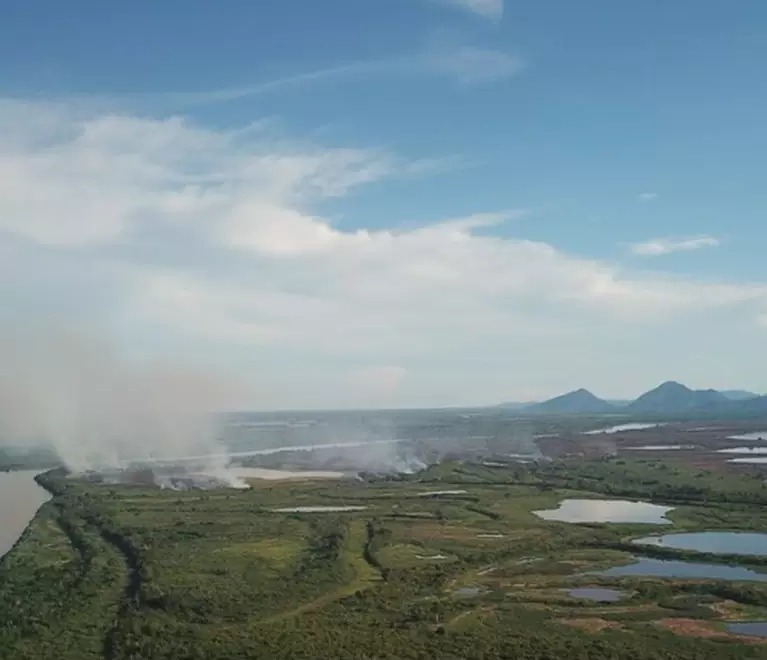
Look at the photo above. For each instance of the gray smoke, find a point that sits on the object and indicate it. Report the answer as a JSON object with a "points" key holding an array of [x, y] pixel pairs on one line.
{"points": [[99, 410]]}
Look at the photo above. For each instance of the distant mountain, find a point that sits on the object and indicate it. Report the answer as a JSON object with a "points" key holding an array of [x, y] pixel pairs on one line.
{"points": [[669, 398], [739, 395], [579, 401], [754, 406], [672, 397]]}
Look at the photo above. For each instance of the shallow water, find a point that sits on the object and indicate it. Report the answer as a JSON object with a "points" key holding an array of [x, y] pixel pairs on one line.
{"points": [[659, 447], [276, 475], [754, 451], [683, 569], [637, 426], [318, 509], [756, 435], [436, 493], [468, 592], [607, 511], [751, 628], [491, 536], [20, 498], [752, 461], [597, 594], [729, 543]]}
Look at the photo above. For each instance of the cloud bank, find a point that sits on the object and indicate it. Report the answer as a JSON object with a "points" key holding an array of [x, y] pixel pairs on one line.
{"points": [[185, 240]]}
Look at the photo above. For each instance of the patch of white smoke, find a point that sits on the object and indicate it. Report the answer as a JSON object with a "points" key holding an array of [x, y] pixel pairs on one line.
{"points": [[98, 410]]}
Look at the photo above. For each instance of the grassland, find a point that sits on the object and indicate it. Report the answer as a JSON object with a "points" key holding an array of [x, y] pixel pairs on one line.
{"points": [[130, 572]]}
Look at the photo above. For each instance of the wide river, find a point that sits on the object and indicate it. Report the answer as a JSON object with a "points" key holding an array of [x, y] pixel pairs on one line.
{"points": [[20, 498]]}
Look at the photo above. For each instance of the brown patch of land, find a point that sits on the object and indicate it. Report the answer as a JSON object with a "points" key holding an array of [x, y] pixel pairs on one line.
{"points": [[700, 441], [592, 625], [704, 629], [692, 628]]}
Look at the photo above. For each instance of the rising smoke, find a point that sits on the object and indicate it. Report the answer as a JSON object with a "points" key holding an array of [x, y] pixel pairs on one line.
{"points": [[101, 411], [104, 413]]}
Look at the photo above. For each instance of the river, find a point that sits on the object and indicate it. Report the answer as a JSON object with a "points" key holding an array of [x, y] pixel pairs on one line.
{"points": [[20, 498]]}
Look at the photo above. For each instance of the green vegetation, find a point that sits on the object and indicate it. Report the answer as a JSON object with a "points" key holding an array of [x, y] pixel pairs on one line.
{"points": [[127, 572]]}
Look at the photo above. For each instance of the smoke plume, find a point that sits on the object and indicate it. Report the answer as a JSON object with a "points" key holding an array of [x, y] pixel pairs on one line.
{"points": [[99, 410]]}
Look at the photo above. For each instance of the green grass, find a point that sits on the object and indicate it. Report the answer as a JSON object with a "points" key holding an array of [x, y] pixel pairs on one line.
{"points": [[127, 572]]}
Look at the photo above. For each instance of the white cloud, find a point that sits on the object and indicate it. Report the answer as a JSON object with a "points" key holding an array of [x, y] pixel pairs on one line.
{"points": [[474, 66], [215, 244], [647, 196], [492, 9], [662, 246], [466, 64]]}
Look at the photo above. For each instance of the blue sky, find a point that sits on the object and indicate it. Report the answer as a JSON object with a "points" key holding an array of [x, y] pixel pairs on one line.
{"points": [[393, 202]]}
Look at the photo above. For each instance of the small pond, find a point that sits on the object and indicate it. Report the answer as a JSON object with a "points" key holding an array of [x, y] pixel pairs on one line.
{"points": [[607, 511], [277, 475], [597, 594], [756, 435], [468, 592], [683, 569], [319, 509], [439, 493], [721, 543], [751, 628], [619, 428], [660, 448], [752, 451]]}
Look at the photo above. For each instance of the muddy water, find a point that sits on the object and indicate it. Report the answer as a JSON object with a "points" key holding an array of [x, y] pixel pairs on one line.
{"points": [[20, 498]]}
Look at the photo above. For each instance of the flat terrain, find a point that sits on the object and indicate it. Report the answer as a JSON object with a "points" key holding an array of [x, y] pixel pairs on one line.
{"points": [[423, 571]]}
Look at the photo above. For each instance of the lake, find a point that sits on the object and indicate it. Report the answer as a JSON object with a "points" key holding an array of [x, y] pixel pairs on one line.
{"points": [[20, 498], [752, 628], [607, 511], [720, 543], [597, 594], [664, 568]]}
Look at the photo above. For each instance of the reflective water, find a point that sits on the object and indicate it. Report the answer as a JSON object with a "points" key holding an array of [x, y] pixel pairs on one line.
{"points": [[607, 511], [491, 536], [730, 543], [276, 475], [752, 461], [754, 451], [684, 569], [468, 592], [751, 628], [318, 509], [597, 594], [756, 435], [20, 498], [437, 493], [623, 427], [660, 447]]}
